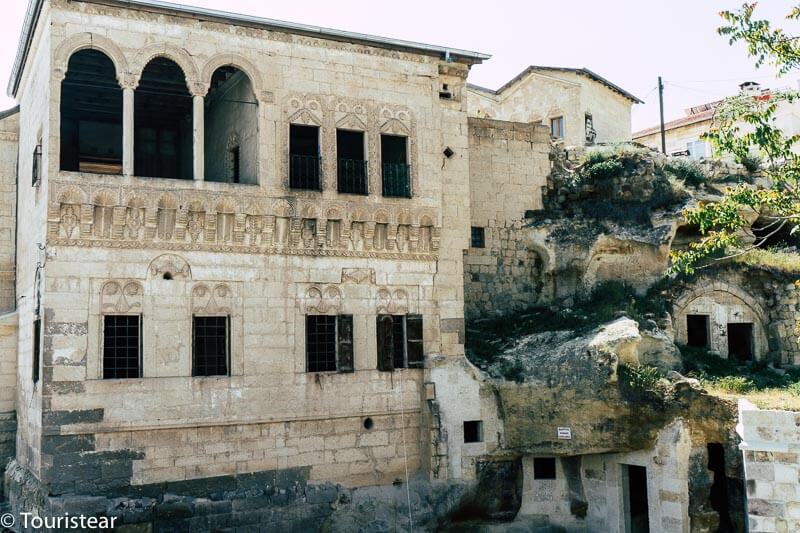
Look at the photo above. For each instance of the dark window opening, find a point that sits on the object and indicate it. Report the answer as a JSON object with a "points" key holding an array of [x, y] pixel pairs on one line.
{"points": [[163, 123], [210, 345], [478, 239], [329, 343], [304, 157], [37, 349], [91, 115], [473, 431], [697, 330], [637, 517], [400, 343], [350, 164], [685, 235], [719, 489], [740, 342], [396, 171], [557, 127], [36, 167], [122, 346], [544, 468], [591, 134], [231, 128], [445, 92]]}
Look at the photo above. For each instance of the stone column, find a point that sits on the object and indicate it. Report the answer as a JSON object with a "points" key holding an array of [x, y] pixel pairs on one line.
{"points": [[198, 114], [127, 131]]}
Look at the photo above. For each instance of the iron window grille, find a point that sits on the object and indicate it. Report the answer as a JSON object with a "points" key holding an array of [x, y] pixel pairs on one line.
{"points": [[304, 160], [210, 345], [37, 354], [329, 343], [478, 239], [122, 346], [399, 342], [352, 176], [395, 170], [36, 168]]}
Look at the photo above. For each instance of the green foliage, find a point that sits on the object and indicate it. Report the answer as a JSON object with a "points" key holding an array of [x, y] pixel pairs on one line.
{"points": [[734, 384], [604, 169], [640, 378], [721, 222], [686, 170], [751, 163], [794, 388]]}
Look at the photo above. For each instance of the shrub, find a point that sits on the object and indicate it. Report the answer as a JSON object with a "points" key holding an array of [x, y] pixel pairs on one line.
{"points": [[734, 384], [752, 163], [794, 388], [689, 171], [640, 377], [604, 169]]}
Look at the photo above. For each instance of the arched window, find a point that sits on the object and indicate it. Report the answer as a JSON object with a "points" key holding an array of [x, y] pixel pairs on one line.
{"points": [[231, 128], [163, 122], [91, 115]]}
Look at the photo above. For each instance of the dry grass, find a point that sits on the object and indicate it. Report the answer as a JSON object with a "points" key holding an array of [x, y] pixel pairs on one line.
{"points": [[774, 399], [783, 261]]}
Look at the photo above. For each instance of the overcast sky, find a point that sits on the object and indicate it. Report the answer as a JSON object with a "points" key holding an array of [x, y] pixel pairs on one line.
{"points": [[630, 42]]}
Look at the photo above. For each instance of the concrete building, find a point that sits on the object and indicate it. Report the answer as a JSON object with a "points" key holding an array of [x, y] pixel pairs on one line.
{"points": [[577, 105], [683, 136]]}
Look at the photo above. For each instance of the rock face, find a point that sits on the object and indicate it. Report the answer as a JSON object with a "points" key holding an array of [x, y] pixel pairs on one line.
{"points": [[555, 379]]}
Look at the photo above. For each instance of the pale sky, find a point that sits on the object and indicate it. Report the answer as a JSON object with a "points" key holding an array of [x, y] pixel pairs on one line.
{"points": [[630, 42]]}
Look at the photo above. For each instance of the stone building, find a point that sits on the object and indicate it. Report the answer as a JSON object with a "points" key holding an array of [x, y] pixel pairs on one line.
{"points": [[238, 292], [578, 106]]}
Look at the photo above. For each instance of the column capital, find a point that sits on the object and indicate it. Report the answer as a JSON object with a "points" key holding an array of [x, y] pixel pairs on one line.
{"points": [[127, 80], [197, 88]]}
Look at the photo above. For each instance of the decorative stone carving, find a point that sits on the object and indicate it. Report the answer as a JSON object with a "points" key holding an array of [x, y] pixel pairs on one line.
{"points": [[211, 301], [392, 302], [322, 300], [69, 219], [359, 276], [170, 265], [121, 297]]}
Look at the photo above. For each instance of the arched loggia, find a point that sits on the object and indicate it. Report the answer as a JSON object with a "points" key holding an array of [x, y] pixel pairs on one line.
{"points": [[91, 115]]}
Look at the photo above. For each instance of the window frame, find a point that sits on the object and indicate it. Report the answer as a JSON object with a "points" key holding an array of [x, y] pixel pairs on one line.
{"points": [[36, 165], [559, 121], [36, 356], [481, 243], [406, 163], [392, 343], [289, 154], [227, 346], [342, 340], [140, 345]]}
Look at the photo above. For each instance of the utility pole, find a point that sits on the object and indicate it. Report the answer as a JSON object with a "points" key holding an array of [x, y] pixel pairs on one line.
{"points": [[661, 109]]}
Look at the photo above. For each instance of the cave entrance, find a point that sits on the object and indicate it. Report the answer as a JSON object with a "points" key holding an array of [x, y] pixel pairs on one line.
{"points": [[740, 341], [719, 489], [637, 516], [697, 330]]}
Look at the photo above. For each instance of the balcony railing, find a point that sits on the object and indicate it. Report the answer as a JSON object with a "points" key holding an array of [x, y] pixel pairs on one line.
{"points": [[304, 172], [397, 180], [352, 175]]}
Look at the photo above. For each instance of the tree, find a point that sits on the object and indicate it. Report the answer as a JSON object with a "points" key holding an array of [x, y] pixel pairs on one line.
{"points": [[742, 126]]}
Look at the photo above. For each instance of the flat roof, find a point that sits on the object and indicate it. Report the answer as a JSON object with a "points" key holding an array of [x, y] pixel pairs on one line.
{"points": [[169, 8]]}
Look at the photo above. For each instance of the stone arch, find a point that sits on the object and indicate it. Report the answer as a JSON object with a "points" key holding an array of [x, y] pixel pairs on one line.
{"points": [[72, 195], [180, 56], [233, 60], [82, 41], [169, 266]]}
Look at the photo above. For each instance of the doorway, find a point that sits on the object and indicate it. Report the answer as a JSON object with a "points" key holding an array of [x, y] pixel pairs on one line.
{"points": [[740, 342], [637, 516], [697, 331]]}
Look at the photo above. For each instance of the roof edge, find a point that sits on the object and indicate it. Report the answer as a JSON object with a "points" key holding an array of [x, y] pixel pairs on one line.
{"points": [[9, 112], [35, 7]]}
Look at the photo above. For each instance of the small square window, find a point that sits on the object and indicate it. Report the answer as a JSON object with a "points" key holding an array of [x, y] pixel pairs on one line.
{"points": [[473, 431], [557, 127], [478, 237], [210, 345], [544, 468]]}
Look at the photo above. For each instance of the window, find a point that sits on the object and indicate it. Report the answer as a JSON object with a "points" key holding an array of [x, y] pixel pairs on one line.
{"points": [[473, 431], [557, 127], [544, 468], [591, 134], [351, 166], [697, 149], [697, 330], [210, 345], [233, 164], [396, 171], [37, 354], [399, 342], [122, 346], [304, 157], [478, 238], [36, 168], [329, 343]]}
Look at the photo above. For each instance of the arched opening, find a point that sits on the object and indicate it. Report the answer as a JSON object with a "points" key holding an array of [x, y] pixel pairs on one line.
{"points": [[91, 115], [231, 128], [163, 122], [772, 233]]}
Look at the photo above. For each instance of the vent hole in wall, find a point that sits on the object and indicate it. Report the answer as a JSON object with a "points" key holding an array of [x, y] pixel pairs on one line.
{"points": [[368, 424], [167, 276]]}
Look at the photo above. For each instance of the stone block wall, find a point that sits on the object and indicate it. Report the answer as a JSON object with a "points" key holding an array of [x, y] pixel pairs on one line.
{"points": [[771, 448], [9, 136]]}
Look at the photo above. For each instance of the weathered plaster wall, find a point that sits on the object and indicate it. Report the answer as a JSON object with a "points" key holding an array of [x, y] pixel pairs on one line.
{"points": [[771, 447], [9, 135]]}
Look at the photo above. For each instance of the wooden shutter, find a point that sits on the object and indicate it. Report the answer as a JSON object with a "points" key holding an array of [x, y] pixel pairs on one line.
{"points": [[385, 345], [344, 354], [416, 357]]}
